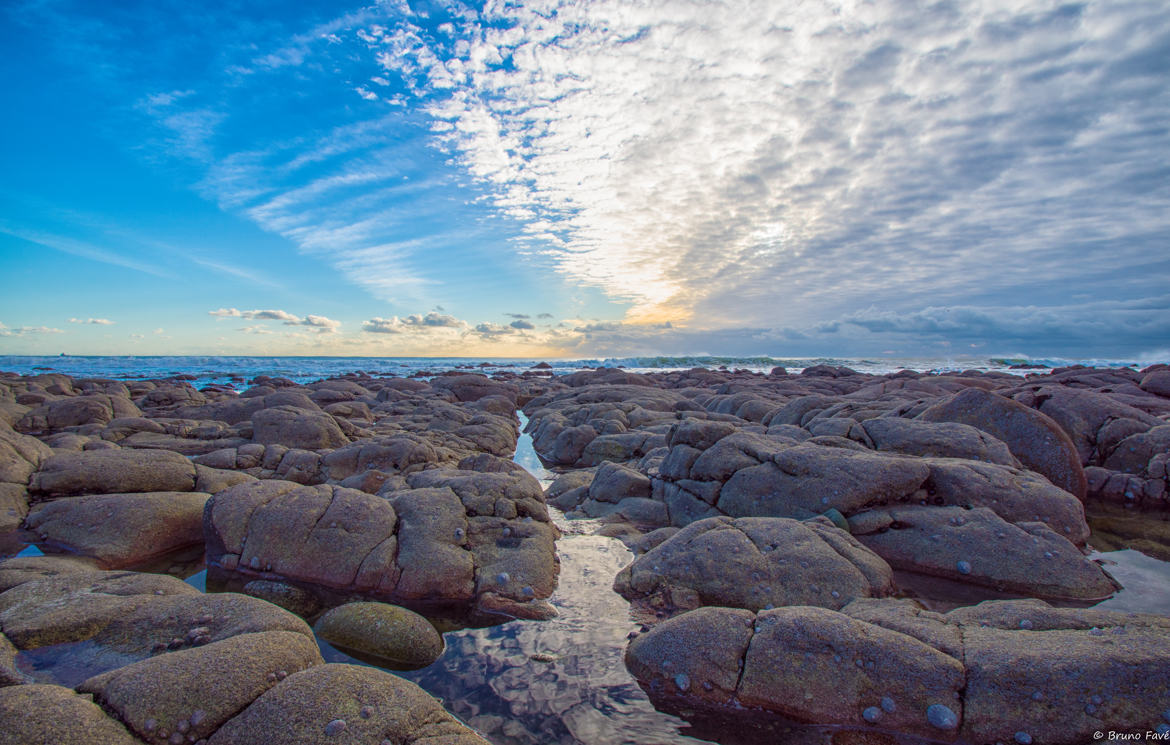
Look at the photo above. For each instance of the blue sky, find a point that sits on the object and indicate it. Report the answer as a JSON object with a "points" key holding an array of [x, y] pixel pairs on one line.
{"points": [[557, 178]]}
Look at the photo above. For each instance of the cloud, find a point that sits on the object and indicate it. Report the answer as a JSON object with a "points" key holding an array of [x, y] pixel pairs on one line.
{"points": [[326, 325], [518, 316], [321, 323], [434, 319], [545, 315], [521, 324], [830, 160], [28, 330], [416, 323], [93, 321], [382, 326]]}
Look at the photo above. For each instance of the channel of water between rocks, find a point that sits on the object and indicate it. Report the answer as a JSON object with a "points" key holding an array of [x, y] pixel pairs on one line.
{"points": [[564, 681]]}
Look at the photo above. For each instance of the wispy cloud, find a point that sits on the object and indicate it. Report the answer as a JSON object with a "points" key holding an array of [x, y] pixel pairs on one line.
{"points": [[28, 330], [81, 249]]}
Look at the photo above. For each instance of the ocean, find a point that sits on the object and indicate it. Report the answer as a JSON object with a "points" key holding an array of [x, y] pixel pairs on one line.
{"points": [[236, 370]]}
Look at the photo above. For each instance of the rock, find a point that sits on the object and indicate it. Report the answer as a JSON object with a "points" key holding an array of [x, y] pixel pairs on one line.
{"points": [[20, 455], [614, 482], [1157, 382], [293, 599], [421, 547], [112, 472], [804, 480], [1035, 439], [1015, 495], [194, 691], [121, 530], [1117, 675], [937, 439], [21, 569], [979, 547], [702, 649], [76, 626], [473, 387], [365, 704], [755, 563], [981, 674], [1096, 422], [397, 637], [35, 714], [297, 428], [54, 416]]}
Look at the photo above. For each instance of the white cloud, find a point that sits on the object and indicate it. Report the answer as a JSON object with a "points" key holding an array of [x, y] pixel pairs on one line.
{"points": [[322, 324], [93, 321], [775, 161]]}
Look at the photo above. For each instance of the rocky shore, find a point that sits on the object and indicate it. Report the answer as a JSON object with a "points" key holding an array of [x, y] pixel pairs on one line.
{"points": [[894, 557]]}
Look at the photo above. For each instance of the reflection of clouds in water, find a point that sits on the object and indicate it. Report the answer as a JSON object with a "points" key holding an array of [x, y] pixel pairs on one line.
{"points": [[488, 678], [1144, 580]]}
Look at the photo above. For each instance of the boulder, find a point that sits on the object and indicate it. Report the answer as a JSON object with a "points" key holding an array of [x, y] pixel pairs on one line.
{"points": [[1157, 382], [392, 636], [121, 530], [77, 411], [754, 563], [443, 547], [937, 439], [344, 703], [112, 472], [977, 546], [36, 714], [21, 569], [1001, 671], [192, 692], [1035, 439], [297, 428]]}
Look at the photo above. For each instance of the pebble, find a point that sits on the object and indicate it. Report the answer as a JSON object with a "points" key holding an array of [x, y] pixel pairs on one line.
{"points": [[682, 681], [366, 712], [460, 533], [941, 717], [502, 578], [336, 727], [888, 705], [150, 725], [964, 567], [197, 717], [1025, 624], [1037, 695], [1023, 738], [872, 714]]}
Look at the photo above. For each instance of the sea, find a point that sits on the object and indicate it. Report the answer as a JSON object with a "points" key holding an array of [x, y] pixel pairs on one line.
{"points": [[235, 370]]}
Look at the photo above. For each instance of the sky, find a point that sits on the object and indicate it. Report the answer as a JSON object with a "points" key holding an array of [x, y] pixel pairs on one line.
{"points": [[562, 178]]}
